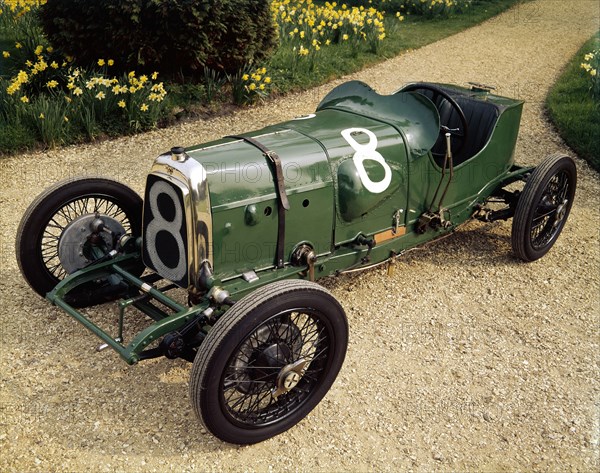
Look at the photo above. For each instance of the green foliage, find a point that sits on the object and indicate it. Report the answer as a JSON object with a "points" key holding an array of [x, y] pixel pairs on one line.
{"points": [[574, 106], [48, 118], [424, 8], [14, 134], [213, 84], [100, 101], [174, 37]]}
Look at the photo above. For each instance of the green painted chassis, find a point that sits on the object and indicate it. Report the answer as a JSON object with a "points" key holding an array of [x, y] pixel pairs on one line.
{"points": [[179, 316]]}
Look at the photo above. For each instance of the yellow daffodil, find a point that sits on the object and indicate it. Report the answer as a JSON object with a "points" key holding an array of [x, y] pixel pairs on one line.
{"points": [[101, 62], [144, 107], [25, 99], [121, 103]]}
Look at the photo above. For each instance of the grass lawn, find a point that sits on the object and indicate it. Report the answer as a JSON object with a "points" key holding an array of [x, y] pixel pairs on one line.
{"points": [[574, 110]]}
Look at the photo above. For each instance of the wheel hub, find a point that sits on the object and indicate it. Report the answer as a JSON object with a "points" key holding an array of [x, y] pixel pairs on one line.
{"points": [[289, 377], [265, 361], [73, 246], [561, 211]]}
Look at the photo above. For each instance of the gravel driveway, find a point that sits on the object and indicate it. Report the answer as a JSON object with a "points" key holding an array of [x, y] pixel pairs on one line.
{"points": [[465, 359]]}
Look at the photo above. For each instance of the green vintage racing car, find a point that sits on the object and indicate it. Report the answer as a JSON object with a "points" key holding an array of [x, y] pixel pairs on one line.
{"points": [[246, 224]]}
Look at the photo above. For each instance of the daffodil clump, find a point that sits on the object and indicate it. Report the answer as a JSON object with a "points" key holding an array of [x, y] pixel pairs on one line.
{"points": [[38, 69], [18, 8], [57, 99], [426, 8], [591, 66], [310, 27], [257, 82], [435, 8], [250, 85], [136, 99]]}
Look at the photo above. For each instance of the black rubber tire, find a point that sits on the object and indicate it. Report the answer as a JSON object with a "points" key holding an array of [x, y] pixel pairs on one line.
{"points": [[234, 328], [537, 193], [45, 207]]}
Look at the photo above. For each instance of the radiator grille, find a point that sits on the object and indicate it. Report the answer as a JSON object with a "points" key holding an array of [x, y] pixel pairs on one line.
{"points": [[165, 234]]}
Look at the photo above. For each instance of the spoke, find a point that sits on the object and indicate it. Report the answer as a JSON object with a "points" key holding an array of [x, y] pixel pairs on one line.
{"points": [[254, 407], [109, 207], [72, 209], [234, 384], [64, 215], [79, 207], [54, 224], [317, 355], [237, 380], [241, 401], [544, 215], [538, 225], [257, 380]]}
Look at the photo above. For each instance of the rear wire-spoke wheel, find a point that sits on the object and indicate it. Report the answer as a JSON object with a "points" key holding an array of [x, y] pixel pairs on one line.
{"points": [[53, 238], [268, 361], [544, 207]]}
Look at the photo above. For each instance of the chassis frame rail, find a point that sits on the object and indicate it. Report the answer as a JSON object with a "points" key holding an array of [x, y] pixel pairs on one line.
{"points": [[166, 323]]}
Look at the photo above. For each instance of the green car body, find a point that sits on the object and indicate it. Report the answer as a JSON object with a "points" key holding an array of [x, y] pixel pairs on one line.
{"points": [[330, 206]]}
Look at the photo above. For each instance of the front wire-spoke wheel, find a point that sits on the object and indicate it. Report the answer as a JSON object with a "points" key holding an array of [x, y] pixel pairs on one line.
{"points": [[268, 361], [544, 207], [59, 234]]}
